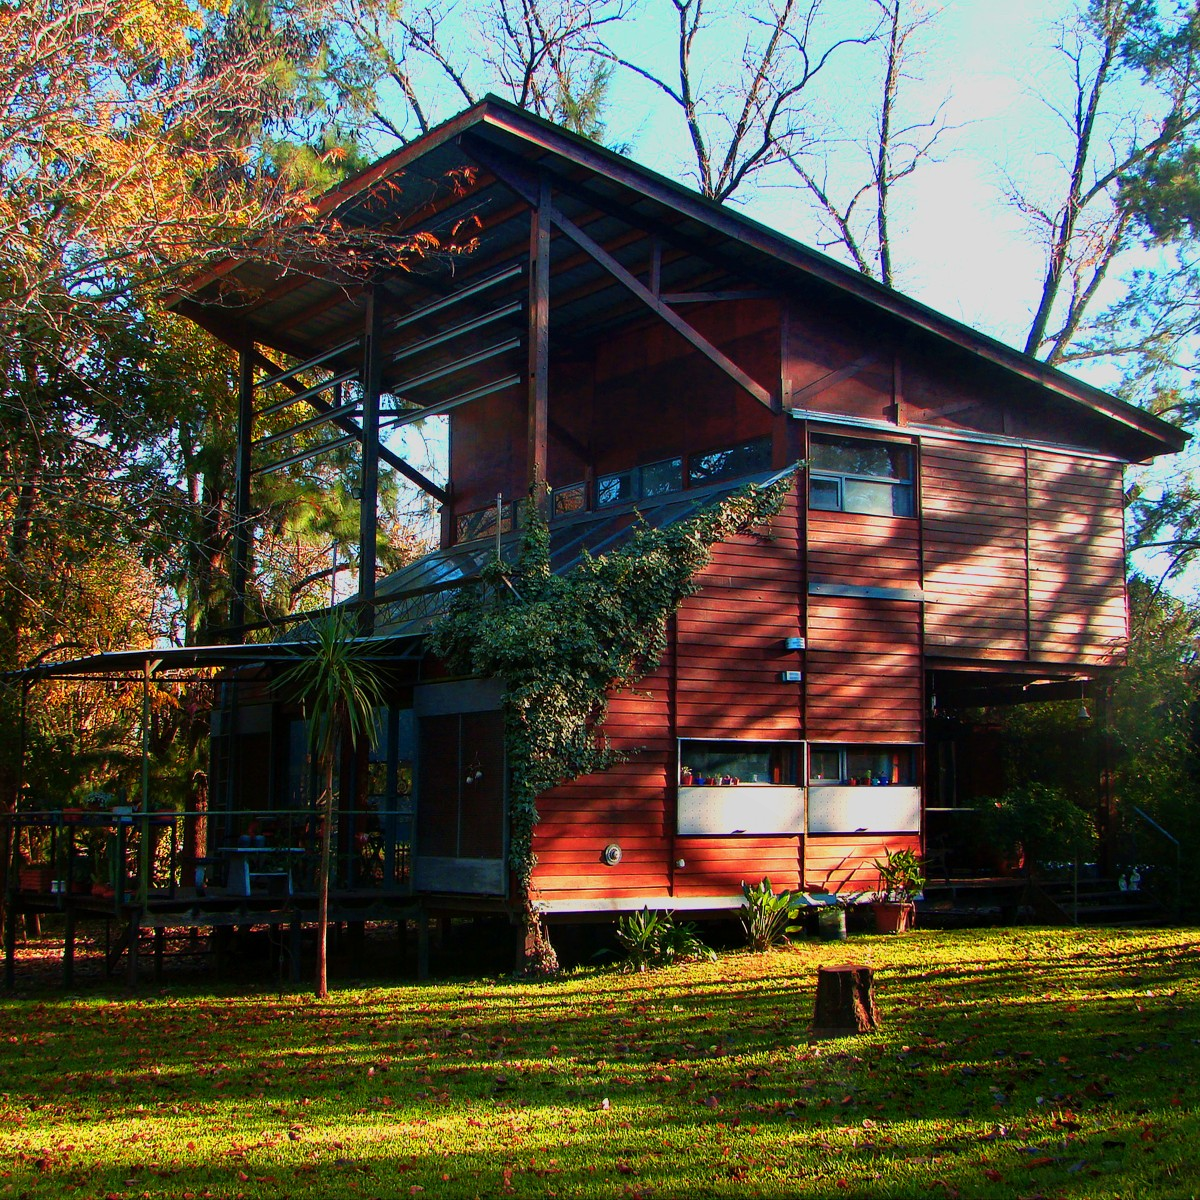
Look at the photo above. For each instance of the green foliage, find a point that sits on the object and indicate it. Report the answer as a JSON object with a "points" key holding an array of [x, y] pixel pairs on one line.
{"points": [[767, 916], [562, 643], [652, 939], [337, 684], [1041, 821], [901, 876]]}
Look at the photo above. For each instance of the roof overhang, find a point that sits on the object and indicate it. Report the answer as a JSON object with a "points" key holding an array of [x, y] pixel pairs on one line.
{"points": [[300, 312], [171, 660]]}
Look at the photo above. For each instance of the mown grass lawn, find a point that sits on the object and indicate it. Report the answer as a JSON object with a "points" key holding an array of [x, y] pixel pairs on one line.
{"points": [[1020, 1063]]}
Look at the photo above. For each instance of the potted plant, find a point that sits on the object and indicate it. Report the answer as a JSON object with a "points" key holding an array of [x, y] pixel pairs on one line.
{"points": [[901, 877], [1033, 823]]}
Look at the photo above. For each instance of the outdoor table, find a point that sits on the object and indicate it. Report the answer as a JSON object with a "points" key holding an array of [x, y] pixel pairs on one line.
{"points": [[242, 860]]}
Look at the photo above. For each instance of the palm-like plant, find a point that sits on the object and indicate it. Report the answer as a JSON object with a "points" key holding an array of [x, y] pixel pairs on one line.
{"points": [[339, 687]]}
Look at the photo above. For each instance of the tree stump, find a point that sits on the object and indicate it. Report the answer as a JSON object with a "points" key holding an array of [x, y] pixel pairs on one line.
{"points": [[845, 1001]]}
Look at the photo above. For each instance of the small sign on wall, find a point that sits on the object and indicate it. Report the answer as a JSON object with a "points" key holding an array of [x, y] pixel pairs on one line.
{"points": [[740, 809], [864, 809]]}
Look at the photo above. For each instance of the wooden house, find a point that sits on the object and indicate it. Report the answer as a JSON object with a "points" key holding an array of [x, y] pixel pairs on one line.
{"points": [[955, 535]]}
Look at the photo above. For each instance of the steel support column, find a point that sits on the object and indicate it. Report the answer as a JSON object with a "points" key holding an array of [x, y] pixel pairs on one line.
{"points": [[369, 503], [242, 533]]}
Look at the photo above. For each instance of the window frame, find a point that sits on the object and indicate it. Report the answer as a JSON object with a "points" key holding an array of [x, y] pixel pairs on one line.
{"points": [[845, 749], [898, 485]]}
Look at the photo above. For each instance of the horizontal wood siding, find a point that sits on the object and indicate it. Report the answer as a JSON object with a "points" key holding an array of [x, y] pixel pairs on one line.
{"points": [[717, 866], [1076, 559], [973, 514], [729, 639], [841, 862], [626, 804], [863, 670], [864, 551]]}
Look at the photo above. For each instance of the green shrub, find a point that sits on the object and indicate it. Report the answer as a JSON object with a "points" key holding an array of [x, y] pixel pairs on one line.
{"points": [[652, 939], [1041, 821], [901, 876], [766, 917]]}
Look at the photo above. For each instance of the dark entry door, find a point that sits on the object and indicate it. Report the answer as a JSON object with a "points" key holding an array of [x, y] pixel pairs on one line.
{"points": [[460, 804]]}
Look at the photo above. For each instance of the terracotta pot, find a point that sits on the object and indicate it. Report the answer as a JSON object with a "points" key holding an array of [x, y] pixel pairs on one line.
{"points": [[892, 917]]}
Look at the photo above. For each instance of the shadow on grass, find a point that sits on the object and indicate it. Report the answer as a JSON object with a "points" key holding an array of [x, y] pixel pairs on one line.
{"points": [[1058, 1062]]}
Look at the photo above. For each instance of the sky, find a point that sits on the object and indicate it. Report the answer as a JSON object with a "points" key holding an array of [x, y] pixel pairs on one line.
{"points": [[962, 250], [960, 245]]}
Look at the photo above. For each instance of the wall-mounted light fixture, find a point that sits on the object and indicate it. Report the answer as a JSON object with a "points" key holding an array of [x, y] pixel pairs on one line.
{"points": [[793, 643], [611, 855], [791, 676]]}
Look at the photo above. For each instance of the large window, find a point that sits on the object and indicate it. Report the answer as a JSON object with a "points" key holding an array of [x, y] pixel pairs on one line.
{"points": [[730, 789], [859, 476]]}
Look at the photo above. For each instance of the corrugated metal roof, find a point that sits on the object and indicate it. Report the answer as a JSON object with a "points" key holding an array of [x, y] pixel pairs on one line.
{"points": [[412, 597]]}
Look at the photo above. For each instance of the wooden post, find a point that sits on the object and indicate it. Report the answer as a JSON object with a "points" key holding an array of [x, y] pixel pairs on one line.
{"points": [[422, 944], [160, 937], [295, 948], [539, 343], [845, 1001], [69, 946], [10, 939], [132, 948]]}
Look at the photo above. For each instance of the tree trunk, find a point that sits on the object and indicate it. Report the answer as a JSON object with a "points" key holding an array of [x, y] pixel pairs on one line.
{"points": [[845, 1001], [323, 879]]}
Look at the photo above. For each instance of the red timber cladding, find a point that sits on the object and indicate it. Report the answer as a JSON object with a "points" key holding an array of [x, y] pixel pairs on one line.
{"points": [[626, 804], [863, 551], [973, 513], [863, 679], [729, 657], [841, 862], [863, 664], [1076, 559], [837, 366]]}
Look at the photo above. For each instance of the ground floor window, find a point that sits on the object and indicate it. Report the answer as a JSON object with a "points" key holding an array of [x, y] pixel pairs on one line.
{"points": [[714, 764], [860, 766]]}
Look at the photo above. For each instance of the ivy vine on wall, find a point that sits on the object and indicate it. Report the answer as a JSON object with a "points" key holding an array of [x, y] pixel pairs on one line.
{"points": [[563, 643]]}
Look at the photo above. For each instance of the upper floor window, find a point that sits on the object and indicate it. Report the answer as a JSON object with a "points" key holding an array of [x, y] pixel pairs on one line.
{"points": [[482, 522], [640, 483], [729, 462], [859, 476], [569, 499]]}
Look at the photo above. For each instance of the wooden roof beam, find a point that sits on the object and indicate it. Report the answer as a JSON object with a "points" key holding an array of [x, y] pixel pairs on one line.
{"points": [[666, 313], [525, 186]]}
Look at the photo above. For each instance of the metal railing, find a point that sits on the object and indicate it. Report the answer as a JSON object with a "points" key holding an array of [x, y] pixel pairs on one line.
{"points": [[130, 856], [1177, 876]]}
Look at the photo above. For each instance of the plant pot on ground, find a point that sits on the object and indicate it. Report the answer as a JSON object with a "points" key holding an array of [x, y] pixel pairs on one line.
{"points": [[901, 878]]}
